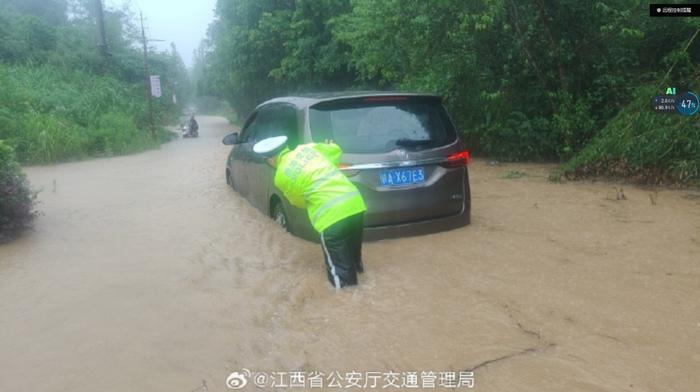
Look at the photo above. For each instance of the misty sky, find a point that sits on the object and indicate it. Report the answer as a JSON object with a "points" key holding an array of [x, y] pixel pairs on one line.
{"points": [[182, 22]]}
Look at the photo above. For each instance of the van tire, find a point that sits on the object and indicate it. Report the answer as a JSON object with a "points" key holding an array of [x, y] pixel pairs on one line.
{"points": [[279, 215]]}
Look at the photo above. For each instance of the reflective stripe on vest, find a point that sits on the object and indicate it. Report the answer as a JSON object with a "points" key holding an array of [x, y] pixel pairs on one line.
{"points": [[330, 203]]}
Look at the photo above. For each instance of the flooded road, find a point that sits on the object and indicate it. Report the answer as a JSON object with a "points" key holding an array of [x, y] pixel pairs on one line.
{"points": [[147, 273]]}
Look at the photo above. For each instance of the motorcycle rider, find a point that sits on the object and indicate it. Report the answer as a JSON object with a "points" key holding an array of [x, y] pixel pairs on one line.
{"points": [[193, 127]]}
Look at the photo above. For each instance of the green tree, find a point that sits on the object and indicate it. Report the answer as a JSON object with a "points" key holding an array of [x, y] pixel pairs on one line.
{"points": [[534, 80]]}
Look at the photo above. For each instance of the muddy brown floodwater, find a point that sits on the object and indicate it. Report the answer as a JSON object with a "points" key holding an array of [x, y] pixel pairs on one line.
{"points": [[147, 273]]}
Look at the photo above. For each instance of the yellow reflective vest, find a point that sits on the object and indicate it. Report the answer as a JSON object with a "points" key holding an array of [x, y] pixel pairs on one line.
{"points": [[309, 178]]}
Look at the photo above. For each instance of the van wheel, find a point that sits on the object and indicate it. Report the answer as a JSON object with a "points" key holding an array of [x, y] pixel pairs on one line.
{"points": [[280, 216]]}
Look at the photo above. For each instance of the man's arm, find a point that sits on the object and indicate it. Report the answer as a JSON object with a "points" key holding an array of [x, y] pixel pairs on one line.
{"points": [[294, 198], [297, 201], [331, 151]]}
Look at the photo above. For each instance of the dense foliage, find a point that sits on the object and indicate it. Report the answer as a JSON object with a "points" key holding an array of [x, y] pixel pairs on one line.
{"points": [[50, 114], [16, 200], [62, 99], [642, 145], [524, 80]]}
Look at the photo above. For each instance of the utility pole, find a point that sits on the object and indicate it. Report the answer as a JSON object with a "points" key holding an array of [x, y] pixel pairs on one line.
{"points": [[147, 78], [101, 36]]}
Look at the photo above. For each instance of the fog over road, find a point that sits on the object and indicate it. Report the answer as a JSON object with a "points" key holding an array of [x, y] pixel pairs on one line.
{"points": [[147, 273]]}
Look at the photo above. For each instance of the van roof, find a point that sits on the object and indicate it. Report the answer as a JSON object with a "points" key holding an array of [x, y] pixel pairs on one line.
{"points": [[302, 101]]}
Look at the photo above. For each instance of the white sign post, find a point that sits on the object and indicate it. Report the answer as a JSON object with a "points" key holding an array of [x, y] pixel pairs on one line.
{"points": [[155, 86]]}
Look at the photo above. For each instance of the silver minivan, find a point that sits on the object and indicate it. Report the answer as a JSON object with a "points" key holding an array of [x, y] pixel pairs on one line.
{"points": [[401, 150]]}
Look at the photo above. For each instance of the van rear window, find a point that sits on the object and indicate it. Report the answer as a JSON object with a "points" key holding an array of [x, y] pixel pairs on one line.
{"points": [[382, 124]]}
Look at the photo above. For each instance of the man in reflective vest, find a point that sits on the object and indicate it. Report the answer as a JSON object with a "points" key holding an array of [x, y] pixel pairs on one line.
{"points": [[309, 178]]}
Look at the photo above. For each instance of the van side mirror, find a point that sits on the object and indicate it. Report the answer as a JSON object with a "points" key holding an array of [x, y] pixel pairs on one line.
{"points": [[231, 139]]}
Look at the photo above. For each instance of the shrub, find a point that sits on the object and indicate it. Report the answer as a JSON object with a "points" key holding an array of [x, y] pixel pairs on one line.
{"points": [[49, 114], [645, 146], [16, 199]]}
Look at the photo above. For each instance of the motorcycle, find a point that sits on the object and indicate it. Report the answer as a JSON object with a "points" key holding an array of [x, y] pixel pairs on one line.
{"points": [[188, 133]]}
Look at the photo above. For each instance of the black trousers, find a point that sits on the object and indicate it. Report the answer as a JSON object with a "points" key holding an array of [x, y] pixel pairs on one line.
{"points": [[342, 248]]}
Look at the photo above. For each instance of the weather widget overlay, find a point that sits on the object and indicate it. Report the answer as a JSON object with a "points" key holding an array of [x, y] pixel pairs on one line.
{"points": [[682, 102], [674, 10]]}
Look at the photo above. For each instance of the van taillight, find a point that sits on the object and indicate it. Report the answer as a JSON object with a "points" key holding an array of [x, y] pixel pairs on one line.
{"points": [[458, 159]]}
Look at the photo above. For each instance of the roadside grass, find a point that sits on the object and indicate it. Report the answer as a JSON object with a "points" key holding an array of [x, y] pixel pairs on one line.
{"points": [[642, 146], [16, 198], [50, 114], [513, 174], [556, 176]]}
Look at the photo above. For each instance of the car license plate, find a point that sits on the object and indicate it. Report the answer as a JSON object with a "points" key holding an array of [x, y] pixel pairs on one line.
{"points": [[398, 177]]}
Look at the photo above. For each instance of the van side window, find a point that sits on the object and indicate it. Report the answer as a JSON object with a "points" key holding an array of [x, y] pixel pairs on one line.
{"points": [[280, 120], [249, 127]]}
